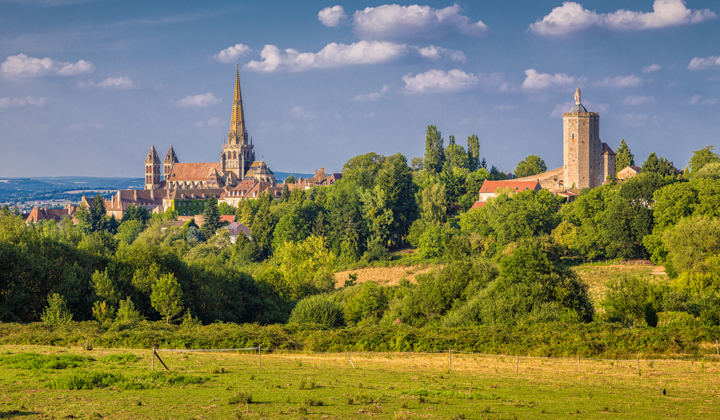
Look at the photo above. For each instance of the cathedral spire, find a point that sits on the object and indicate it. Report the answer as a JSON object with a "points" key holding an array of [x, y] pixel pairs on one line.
{"points": [[237, 122]]}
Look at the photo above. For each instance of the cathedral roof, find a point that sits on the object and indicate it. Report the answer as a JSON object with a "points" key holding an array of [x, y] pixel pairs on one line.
{"points": [[193, 171]]}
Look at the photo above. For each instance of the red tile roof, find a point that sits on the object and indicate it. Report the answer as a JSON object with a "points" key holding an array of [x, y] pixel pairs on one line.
{"points": [[478, 205], [227, 218], [492, 186], [193, 171]]}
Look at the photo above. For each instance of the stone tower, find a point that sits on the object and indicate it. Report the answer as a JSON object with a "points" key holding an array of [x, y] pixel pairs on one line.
{"points": [[170, 160], [152, 170], [587, 160], [238, 153]]}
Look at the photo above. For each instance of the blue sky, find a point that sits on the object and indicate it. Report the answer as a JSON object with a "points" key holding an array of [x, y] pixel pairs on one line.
{"points": [[86, 87]]}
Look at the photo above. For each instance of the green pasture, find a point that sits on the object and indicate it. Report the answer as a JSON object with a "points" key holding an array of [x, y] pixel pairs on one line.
{"points": [[43, 382]]}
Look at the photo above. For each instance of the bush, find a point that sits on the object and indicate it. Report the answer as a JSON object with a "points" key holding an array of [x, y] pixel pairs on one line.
{"points": [[56, 312], [318, 310], [241, 397], [376, 251], [433, 241]]}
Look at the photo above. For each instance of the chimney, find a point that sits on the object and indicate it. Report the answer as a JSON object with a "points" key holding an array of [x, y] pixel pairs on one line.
{"points": [[135, 195], [322, 170], [152, 195], [316, 172]]}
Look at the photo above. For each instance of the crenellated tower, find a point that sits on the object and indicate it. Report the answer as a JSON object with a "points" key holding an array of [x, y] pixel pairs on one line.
{"points": [[170, 160], [153, 177], [238, 153]]}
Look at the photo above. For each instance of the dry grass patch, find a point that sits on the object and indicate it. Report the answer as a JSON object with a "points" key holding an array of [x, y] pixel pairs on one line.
{"points": [[384, 276]]}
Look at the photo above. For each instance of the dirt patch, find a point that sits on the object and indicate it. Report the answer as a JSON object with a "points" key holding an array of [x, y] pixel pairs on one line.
{"points": [[384, 276]]}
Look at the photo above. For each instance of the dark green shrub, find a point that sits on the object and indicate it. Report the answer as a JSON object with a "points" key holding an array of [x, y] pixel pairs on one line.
{"points": [[318, 310]]}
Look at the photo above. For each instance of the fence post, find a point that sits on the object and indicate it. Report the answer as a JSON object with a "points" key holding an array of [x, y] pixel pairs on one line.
{"points": [[578, 363], [638, 364], [351, 362], [259, 355], [449, 360], [717, 346], [152, 357], [517, 363]]}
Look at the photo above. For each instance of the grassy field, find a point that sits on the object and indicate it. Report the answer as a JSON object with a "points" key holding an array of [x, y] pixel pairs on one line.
{"points": [[38, 382]]}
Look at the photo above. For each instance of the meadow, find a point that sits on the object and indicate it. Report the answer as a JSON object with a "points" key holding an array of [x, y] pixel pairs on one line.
{"points": [[43, 382]]}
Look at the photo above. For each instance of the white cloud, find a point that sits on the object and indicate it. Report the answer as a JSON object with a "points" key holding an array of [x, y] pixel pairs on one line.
{"points": [[637, 120], [638, 99], [331, 16], [535, 80], [202, 100], [110, 83], [19, 102], [332, 55], [572, 17], [371, 97], [212, 122], [620, 81], [651, 68], [300, 112], [23, 66], [232, 53], [698, 63], [564, 107], [392, 21], [440, 81], [436, 53], [697, 100]]}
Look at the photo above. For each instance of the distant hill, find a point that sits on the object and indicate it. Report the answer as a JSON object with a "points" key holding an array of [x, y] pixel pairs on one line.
{"points": [[72, 188]]}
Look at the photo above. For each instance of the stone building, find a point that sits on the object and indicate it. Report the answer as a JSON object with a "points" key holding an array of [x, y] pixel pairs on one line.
{"points": [[587, 161], [628, 172], [237, 159], [318, 180]]}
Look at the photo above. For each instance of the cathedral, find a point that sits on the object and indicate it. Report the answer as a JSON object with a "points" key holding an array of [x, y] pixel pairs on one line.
{"points": [[237, 160]]}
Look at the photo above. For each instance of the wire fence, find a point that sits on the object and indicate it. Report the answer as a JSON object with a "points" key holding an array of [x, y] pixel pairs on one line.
{"points": [[359, 359]]}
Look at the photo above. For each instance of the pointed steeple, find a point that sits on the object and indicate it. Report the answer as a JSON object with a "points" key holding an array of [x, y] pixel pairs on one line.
{"points": [[237, 122], [171, 157], [152, 156]]}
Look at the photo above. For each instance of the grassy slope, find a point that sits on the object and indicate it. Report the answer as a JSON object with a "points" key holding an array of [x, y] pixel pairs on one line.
{"points": [[392, 386]]}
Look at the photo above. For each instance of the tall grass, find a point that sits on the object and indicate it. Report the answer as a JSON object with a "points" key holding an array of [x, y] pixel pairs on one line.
{"points": [[540, 339]]}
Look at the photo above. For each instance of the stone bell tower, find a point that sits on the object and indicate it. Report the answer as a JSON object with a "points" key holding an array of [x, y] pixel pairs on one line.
{"points": [[238, 153], [583, 152], [152, 170]]}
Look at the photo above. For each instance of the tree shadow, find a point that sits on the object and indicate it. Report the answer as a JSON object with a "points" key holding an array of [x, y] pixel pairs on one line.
{"points": [[16, 413]]}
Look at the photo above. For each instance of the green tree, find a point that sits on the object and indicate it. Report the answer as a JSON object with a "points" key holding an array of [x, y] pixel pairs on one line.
{"points": [[318, 310], [455, 155], [127, 313], [129, 231], [104, 287], [263, 225], [623, 157], [56, 312], [656, 165], [416, 164], [134, 212], [692, 241], [532, 165], [628, 299], [377, 214], [226, 209], [285, 197], [473, 152], [396, 179], [306, 267], [211, 218], [434, 204], [290, 179], [363, 169], [434, 150], [296, 224], [702, 157], [711, 171], [167, 297]]}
